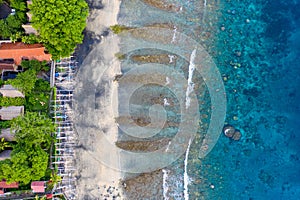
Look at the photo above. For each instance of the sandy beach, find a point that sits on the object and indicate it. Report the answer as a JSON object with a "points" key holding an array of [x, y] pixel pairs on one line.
{"points": [[95, 180]]}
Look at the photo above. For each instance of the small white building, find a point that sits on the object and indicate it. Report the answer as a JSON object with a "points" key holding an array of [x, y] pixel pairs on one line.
{"points": [[10, 112], [5, 154], [29, 29], [10, 91], [8, 135]]}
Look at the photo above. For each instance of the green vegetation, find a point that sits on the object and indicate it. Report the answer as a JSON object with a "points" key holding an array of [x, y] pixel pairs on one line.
{"points": [[31, 39], [19, 5], [24, 81], [9, 26], [40, 198], [60, 24], [120, 56], [8, 101], [3, 144], [38, 99], [25, 165], [37, 91], [55, 178], [35, 65], [33, 129], [29, 158], [5, 124], [13, 23], [118, 28]]}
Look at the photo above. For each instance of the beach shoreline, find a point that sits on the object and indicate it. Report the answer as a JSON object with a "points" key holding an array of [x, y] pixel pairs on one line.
{"points": [[96, 180]]}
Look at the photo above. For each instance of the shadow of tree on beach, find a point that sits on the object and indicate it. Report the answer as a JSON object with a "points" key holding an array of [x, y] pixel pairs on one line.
{"points": [[95, 4]]}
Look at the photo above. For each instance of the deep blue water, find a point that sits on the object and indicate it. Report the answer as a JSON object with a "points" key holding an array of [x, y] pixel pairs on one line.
{"points": [[265, 164], [258, 52]]}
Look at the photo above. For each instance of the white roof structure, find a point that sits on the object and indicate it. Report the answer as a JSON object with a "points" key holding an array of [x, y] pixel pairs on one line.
{"points": [[8, 135], [28, 28], [10, 91], [10, 112], [5, 154]]}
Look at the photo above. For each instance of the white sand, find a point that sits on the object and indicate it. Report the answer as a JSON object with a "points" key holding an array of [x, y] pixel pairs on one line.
{"points": [[100, 20], [96, 180]]}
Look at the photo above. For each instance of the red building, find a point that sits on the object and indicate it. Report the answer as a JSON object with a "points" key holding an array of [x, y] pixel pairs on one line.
{"points": [[4, 185], [19, 51], [38, 186]]}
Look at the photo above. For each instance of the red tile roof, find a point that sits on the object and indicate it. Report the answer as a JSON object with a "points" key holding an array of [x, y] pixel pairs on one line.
{"points": [[5, 66], [38, 186], [4, 184], [20, 50]]}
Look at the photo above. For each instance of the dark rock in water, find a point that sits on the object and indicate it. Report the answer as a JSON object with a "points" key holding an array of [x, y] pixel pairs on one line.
{"points": [[237, 135], [228, 130], [105, 33], [252, 92], [266, 178], [117, 77]]}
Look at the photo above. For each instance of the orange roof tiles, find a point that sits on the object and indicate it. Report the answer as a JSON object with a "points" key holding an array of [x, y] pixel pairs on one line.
{"points": [[20, 50]]}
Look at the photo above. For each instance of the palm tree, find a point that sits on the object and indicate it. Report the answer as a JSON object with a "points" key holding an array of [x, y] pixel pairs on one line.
{"points": [[55, 178], [3, 144], [40, 198]]}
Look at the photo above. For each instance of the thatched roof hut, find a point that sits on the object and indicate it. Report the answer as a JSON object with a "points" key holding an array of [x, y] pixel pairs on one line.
{"points": [[5, 154], [7, 135], [10, 91], [10, 112]]}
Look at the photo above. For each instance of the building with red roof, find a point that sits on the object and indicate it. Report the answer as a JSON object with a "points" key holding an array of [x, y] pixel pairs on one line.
{"points": [[19, 51], [4, 184], [38, 186]]}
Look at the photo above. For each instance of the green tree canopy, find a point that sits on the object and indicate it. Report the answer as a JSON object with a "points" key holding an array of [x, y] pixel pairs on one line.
{"points": [[60, 24], [13, 23], [38, 99], [24, 81], [19, 5], [26, 164], [9, 101], [29, 160], [33, 129], [35, 65], [3, 144]]}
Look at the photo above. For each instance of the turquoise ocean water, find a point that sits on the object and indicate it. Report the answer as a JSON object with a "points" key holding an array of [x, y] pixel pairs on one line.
{"points": [[256, 46]]}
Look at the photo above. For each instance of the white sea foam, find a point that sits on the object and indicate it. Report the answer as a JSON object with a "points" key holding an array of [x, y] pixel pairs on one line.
{"points": [[165, 184], [168, 80], [190, 86], [171, 57], [166, 103], [167, 149], [174, 34], [185, 175]]}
